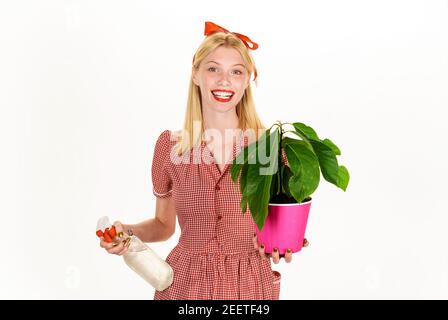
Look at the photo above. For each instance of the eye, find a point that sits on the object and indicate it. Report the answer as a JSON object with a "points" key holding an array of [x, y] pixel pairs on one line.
{"points": [[210, 69], [239, 72]]}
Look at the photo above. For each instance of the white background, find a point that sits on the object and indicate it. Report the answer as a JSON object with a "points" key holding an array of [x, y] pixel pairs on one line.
{"points": [[86, 87]]}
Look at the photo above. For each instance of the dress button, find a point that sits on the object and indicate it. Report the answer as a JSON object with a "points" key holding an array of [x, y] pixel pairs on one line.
{"points": [[219, 217], [217, 188]]}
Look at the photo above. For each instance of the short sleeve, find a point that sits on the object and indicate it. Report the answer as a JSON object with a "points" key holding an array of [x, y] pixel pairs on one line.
{"points": [[161, 180]]}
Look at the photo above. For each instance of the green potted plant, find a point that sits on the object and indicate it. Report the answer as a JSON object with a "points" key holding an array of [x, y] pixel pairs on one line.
{"points": [[277, 175]]}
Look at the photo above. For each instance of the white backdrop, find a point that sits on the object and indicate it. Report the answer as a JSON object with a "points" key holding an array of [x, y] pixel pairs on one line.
{"points": [[86, 87]]}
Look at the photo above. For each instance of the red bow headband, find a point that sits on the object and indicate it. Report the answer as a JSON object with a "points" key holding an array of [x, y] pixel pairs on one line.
{"points": [[211, 28]]}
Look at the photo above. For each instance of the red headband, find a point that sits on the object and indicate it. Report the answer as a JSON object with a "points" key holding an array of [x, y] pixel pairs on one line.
{"points": [[211, 28]]}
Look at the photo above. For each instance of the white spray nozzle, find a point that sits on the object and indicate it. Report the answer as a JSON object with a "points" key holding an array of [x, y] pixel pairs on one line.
{"points": [[103, 223]]}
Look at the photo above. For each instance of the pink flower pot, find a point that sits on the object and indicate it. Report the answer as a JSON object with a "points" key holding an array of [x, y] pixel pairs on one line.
{"points": [[285, 227]]}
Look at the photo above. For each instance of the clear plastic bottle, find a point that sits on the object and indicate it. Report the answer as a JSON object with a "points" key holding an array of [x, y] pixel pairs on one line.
{"points": [[148, 265], [139, 257]]}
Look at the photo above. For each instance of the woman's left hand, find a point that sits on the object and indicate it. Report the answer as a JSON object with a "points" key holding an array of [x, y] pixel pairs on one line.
{"points": [[275, 253]]}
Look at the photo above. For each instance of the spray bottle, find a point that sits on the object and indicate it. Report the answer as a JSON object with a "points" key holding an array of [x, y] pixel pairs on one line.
{"points": [[139, 257]]}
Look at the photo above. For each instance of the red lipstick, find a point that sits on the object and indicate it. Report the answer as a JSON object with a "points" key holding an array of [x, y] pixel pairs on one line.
{"points": [[222, 95]]}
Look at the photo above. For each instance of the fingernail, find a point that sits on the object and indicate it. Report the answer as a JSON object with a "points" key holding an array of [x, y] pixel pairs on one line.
{"points": [[255, 234], [120, 234], [275, 249], [288, 250], [262, 246]]}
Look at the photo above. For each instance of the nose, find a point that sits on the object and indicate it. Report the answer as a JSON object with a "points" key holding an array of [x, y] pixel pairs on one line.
{"points": [[223, 79]]}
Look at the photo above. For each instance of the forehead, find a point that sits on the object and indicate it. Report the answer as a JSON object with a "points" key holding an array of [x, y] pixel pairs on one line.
{"points": [[224, 55]]}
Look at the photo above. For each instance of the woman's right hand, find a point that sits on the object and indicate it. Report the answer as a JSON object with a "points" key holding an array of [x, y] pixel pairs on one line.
{"points": [[119, 246]]}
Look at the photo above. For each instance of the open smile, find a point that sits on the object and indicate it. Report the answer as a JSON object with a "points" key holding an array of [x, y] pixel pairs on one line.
{"points": [[223, 95]]}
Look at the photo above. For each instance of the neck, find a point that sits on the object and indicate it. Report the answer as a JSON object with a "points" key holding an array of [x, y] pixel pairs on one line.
{"points": [[220, 122]]}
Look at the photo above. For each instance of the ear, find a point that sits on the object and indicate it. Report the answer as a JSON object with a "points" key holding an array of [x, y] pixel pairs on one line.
{"points": [[194, 76], [247, 83]]}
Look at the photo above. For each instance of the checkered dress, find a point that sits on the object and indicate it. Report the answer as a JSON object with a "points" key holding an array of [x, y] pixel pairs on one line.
{"points": [[215, 257]]}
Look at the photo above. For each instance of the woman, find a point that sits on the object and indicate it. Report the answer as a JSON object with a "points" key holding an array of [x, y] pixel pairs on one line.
{"points": [[217, 256]]}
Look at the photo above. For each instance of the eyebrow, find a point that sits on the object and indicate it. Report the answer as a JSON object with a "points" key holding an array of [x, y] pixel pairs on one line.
{"points": [[238, 64]]}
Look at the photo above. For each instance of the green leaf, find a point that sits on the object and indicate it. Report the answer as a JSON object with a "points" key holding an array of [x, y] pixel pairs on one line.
{"points": [[257, 168], [327, 161], [297, 188], [274, 186], [343, 178], [246, 155], [259, 177], [268, 149], [305, 130], [302, 139], [258, 190], [240, 160], [305, 169], [243, 188], [235, 170], [286, 175], [332, 146]]}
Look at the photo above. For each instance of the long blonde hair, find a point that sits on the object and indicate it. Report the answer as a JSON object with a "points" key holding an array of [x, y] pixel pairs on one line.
{"points": [[249, 121]]}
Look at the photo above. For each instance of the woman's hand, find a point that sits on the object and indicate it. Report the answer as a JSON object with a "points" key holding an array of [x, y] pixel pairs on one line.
{"points": [[120, 244], [275, 254]]}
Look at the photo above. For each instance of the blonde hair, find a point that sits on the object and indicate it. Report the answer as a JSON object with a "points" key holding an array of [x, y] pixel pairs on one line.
{"points": [[249, 121]]}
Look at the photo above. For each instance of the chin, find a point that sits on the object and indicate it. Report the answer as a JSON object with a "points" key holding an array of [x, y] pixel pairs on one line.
{"points": [[224, 108]]}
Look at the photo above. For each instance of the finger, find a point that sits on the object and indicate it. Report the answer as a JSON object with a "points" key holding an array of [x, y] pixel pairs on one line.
{"points": [[124, 250], [102, 242], [288, 255], [106, 245], [254, 239], [126, 245], [121, 234], [305, 243], [117, 248], [275, 256], [261, 250]]}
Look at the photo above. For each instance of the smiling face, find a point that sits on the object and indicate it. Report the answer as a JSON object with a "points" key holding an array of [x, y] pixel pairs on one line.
{"points": [[222, 78]]}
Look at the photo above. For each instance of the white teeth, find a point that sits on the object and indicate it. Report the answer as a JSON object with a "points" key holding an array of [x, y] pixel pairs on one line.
{"points": [[222, 94]]}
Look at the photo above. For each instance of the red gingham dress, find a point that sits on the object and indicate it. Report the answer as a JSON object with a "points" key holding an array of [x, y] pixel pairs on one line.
{"points": [[215, 257]]}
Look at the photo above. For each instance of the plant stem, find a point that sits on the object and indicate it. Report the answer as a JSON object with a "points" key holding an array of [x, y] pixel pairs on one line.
{"points": [[275, 124], [280, 164]]}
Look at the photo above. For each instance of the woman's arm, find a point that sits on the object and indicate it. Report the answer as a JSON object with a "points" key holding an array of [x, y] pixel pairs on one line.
{"points": [[159, 228]]}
